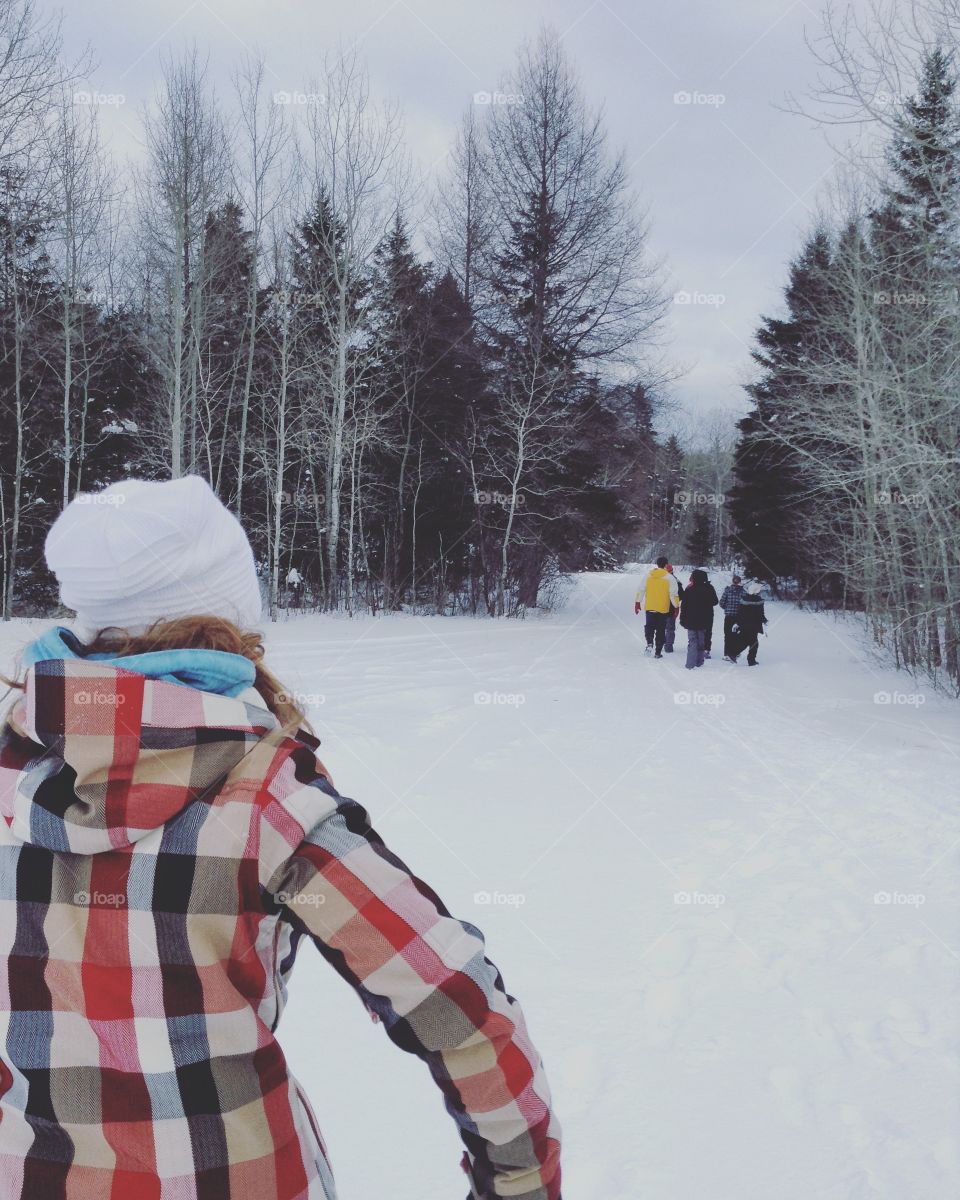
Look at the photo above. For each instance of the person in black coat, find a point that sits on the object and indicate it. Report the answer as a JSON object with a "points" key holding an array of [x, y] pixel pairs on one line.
{"points": [[696, 616], [730, 603], [708, 632], [750, 622]]}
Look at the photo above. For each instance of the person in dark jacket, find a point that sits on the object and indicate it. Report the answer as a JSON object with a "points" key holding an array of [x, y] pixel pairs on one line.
{"points": [[696, 615], [670, 633], [749, 625], [730, 603], [708, 632]]}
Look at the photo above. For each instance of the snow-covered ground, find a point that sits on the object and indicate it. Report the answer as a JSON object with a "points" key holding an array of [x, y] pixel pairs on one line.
{"points": [[726, 898]]}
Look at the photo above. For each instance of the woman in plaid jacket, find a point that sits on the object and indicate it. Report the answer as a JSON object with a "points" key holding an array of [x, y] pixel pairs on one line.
{"points": [[169, 839]]}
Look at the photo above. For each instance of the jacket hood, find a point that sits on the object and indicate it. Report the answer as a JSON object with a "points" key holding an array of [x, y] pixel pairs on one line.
{"points": [[94, 757]]}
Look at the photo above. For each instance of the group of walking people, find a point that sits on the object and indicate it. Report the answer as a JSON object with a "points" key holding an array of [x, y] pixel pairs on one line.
{"points": [[664, 601]]}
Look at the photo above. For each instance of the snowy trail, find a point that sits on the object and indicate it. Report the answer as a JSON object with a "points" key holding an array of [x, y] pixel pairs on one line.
{"points": [[677, 873]]}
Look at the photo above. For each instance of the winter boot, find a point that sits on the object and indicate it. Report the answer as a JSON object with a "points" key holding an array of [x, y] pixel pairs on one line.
{"points": [[648, 649]]}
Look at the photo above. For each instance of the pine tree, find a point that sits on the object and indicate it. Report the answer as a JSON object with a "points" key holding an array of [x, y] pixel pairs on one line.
{"points": [[455, 412], [925, 157], [666, 500], [223, 289], [699, 545], [767, 501], [398, 317]]}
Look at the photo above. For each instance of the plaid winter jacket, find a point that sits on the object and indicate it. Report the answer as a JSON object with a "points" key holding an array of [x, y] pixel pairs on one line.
{"points": [[163, 852], [731, 599]]}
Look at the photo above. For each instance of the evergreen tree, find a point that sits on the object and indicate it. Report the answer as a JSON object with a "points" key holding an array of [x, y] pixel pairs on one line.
{"points": [[766, 502], [455, 413], [667, 505], [699, 545], [223, 290], [398, 314], [925, 157]]}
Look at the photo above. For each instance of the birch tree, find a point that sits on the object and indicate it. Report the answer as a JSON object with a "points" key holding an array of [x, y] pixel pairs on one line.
{"points": [[185, 178], [354, 147]]}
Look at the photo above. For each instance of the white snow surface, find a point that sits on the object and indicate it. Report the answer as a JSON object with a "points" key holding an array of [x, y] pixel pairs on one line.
{"points": [[726, 898]]}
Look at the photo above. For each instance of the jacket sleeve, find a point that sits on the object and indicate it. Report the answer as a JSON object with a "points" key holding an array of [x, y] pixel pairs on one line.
{"points": [[426, 977], [674, 591]]}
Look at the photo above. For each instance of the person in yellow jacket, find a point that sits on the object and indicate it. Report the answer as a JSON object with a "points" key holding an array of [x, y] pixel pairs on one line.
{"points": [[657, 596]]}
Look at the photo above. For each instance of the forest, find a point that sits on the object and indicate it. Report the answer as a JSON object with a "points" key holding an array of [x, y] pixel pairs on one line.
{"points": [[445, 392], [439, 396], [847, 470]]}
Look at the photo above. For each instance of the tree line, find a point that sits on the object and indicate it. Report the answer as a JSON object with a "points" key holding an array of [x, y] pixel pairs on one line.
{"points": [[847, 470], [437, 396]]}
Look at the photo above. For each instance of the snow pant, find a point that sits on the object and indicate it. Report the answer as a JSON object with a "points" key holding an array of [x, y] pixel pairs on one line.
{"points": [[655, 629], [749, 642], [670, 633], [708, 635], [729, 637], [695, 647]]}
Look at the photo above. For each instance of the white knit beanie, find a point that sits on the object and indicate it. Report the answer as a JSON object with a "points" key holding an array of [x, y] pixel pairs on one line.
{"points": [[141, 551]]}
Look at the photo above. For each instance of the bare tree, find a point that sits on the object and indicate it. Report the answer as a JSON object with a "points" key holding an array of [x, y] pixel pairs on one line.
{"points": [[462, 207], [568, 275], [186, 177], [355, 157], [261, 180], [33, 78], [79, 198]]}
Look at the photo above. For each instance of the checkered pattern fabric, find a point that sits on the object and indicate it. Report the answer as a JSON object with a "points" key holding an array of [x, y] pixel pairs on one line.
{"points": [[162, 855], [731, 600]]}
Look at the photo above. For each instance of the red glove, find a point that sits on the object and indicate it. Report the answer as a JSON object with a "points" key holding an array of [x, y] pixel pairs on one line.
{"points": [[636, 608]]}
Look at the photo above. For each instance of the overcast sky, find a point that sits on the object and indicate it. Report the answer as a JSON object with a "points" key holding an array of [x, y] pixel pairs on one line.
{"points": [[731, 182]]}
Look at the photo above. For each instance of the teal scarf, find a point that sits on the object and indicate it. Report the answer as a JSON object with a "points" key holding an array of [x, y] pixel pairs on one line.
{"points": [[207, 670]]}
